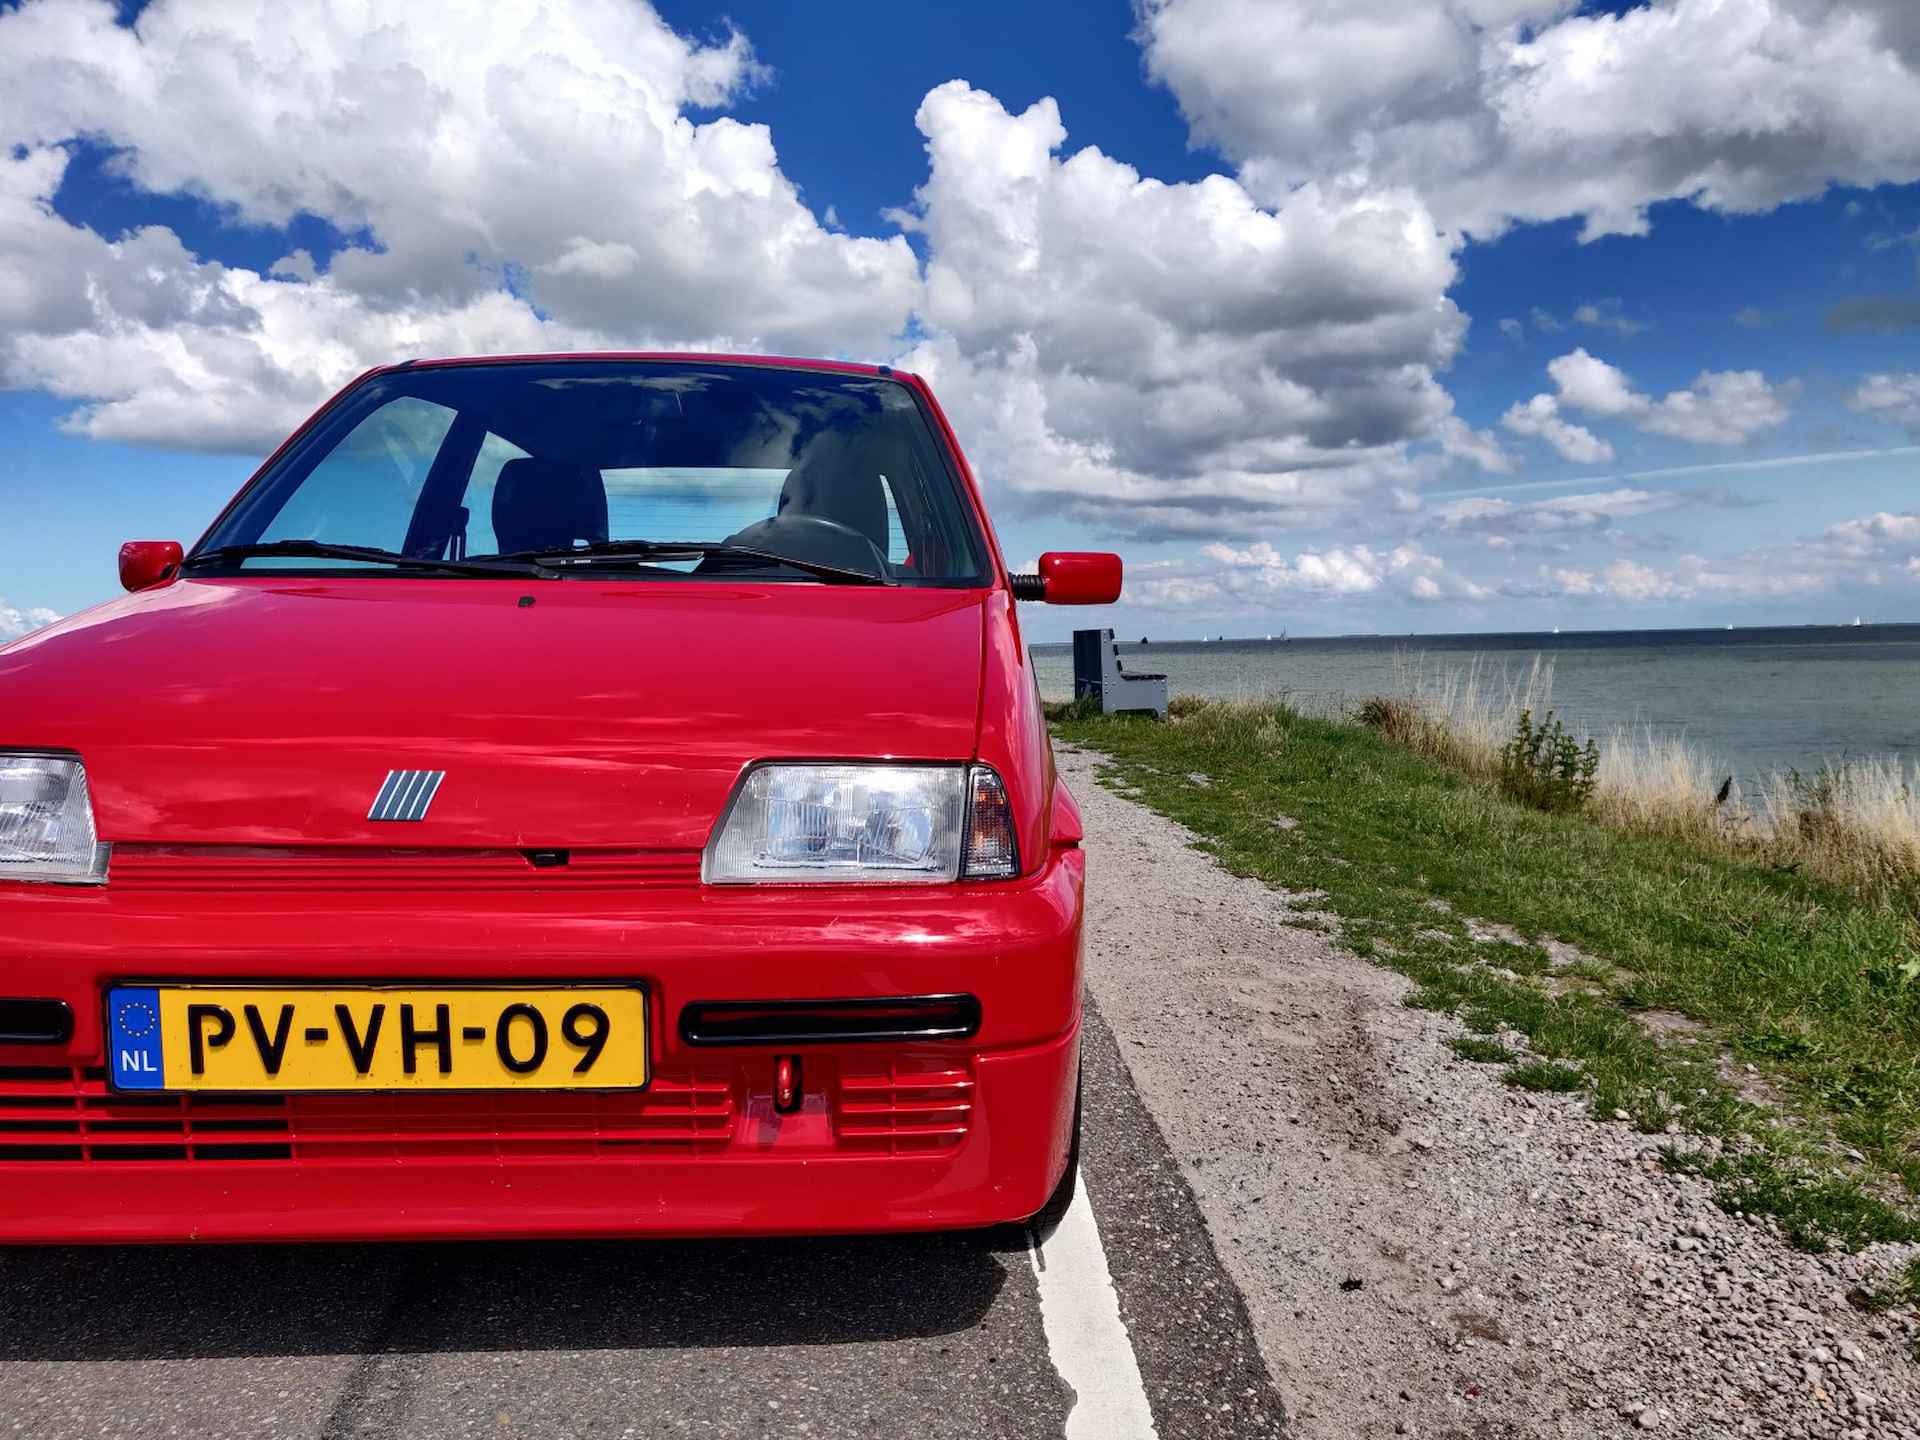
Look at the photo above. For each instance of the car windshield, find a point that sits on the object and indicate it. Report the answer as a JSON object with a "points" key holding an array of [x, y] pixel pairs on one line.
{"points": [[668, 469]]}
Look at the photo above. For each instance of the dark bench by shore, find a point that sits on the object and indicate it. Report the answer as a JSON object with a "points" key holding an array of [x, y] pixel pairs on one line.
{"points": [[1097, 672]]}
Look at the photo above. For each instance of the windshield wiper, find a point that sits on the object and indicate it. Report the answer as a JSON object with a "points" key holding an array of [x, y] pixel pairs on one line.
{"points": [[615, 550], [324, 550]]}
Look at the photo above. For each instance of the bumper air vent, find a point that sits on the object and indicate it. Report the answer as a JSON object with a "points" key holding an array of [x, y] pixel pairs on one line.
{"points": [[904, 1108], [829, 1022], [56, 1114], [35, 1022]]}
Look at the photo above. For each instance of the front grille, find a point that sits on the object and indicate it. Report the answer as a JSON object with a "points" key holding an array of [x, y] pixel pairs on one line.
{"points": [[904, 1106], [228, 868], [56, 1113]]}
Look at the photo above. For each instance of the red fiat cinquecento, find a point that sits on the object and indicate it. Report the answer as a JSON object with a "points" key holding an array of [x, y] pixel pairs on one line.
{"points": [[574, 795]]}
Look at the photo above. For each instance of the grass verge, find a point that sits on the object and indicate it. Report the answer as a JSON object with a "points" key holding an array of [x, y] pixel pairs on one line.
{"points": [[1854, 821], [1712, 993]]}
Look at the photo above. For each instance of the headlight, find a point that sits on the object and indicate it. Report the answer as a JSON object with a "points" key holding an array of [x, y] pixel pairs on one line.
{"points": [[888, 824], [46, 822]]}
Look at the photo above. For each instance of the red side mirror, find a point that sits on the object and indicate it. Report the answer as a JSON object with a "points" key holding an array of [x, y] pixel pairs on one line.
{"points": [[1072, 577], [146, 563]]}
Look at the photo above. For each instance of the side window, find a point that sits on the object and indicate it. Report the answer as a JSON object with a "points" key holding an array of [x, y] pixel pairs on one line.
{"points": [[365, 491], [897, 547], [494, 454]]}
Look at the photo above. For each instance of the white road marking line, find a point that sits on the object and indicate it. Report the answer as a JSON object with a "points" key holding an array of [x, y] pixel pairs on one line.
{"points": [[1080, 1313]]}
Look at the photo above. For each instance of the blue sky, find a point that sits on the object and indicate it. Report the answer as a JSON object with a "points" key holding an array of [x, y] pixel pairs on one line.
{"points": [[1311, 330]]}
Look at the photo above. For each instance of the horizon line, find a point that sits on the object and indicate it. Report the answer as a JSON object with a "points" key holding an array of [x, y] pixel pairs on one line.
{"points": [[1461, 634]]}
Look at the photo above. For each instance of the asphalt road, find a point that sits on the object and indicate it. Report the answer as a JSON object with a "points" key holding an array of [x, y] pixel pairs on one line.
{"points": [[926, 1336]]}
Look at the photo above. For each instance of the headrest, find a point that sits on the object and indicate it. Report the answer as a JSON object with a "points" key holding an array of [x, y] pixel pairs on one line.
{"points": [[548, 505], [838, 478]]}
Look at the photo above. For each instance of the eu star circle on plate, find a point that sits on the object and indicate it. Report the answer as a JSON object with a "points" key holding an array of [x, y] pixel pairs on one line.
{"points": [[137, 1020]]}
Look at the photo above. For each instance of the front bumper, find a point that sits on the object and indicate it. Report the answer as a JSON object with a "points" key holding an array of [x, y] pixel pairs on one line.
{"points": [[889, 1136]]}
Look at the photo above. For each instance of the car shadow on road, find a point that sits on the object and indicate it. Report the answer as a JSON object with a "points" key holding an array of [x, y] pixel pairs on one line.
{"points": [[174, 1302]]}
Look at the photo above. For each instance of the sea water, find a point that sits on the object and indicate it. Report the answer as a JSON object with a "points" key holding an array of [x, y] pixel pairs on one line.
{"points": [[1755, 700]]}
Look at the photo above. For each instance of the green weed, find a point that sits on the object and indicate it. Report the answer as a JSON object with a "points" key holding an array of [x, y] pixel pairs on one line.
{"points": [[1479, 1050], [1545, 767], [1545, 1075]]}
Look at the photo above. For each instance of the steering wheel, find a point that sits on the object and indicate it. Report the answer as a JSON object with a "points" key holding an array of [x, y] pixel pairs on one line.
{"points": [[815, 538]]}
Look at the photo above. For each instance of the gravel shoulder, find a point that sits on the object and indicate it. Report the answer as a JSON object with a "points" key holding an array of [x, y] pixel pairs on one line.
{"points": [[1423, 1250]]}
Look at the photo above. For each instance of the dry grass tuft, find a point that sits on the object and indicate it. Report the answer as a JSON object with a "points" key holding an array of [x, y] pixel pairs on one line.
{"points": [[1855, 820], [1460, 716], [1666, 783]]}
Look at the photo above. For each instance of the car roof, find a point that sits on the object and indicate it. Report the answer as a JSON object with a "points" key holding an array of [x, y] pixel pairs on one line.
{"points": [[784, 362]]}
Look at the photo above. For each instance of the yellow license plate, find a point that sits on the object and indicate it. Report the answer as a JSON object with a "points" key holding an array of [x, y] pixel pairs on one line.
{"points": [[400, 1037]]}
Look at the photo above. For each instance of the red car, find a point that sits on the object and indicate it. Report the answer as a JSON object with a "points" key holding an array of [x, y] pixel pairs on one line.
{"points": [[464, 839]]}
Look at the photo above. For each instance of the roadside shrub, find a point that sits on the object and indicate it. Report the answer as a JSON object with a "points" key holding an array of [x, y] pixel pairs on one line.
{"points": [[1545, 767]]}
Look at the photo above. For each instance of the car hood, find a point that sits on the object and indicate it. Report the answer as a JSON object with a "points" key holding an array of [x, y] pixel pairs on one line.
{"points": [[268, 711]]}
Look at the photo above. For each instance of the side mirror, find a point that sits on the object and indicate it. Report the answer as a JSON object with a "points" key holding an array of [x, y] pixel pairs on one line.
{"points": [[146, 563], [1072, 577]]}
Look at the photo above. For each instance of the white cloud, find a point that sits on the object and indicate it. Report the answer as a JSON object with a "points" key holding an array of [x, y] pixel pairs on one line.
{"points": [[1336, 571], [1217, 359], [1143, 357], [1175, 359], [1482, 447], [1260, 575], [1894, 398], [1692, 577], [1877, 550], [1622, 580], [1503, 110], [1541, 417], [1564, 514], [1513, 329], [528, 176], [1882, 536], [1873, 550], [1724, 408], [1608, 314], [15, 622], [1719, 408], [1593, 385]]}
